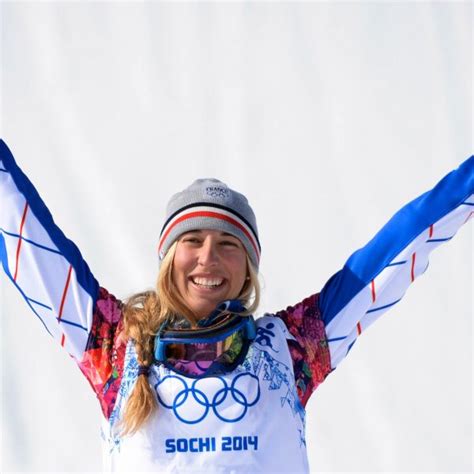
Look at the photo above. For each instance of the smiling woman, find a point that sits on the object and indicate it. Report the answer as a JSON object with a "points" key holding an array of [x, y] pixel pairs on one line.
{"points": [[209, 267], [187, 380], [209, 253]]}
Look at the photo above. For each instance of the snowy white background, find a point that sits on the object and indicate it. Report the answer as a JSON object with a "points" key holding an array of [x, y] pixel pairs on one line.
{"points": [[328, 116]]}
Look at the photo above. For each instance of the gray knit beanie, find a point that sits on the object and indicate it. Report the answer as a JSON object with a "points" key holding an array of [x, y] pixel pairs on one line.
{"points": [[210, 204]]}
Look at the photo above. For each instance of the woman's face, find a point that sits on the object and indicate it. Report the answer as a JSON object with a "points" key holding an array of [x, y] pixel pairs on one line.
{"points": [[209, 266]]}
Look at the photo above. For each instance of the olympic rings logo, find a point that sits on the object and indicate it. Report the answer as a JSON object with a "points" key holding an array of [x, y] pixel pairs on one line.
{"points": [[192, 404]]}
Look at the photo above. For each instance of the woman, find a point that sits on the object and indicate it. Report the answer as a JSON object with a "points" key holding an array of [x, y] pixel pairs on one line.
{"points": [[186, 378]]}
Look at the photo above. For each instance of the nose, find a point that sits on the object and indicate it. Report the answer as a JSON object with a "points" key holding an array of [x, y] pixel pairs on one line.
{"points": [[208, 254]]}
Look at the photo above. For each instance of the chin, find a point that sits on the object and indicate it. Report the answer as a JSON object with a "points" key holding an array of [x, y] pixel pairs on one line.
{"points": [[202, 311], [203, 307]]}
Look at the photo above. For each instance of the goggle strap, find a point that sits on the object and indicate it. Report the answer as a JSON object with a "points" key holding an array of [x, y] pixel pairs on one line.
{"points": [[197, 340]]}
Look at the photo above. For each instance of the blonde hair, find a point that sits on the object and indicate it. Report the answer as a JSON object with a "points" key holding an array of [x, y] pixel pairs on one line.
{"points": [[143, 315]]}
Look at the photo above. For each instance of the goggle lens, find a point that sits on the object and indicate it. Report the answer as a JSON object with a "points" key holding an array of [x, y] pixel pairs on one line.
{"points": [[197, 359]]}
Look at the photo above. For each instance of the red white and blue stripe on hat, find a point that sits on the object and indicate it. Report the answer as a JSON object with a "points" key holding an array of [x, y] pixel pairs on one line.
{"points": [[206, 215]]}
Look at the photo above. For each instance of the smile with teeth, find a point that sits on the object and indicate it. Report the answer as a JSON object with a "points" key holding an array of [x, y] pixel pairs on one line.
{"points": [[207, 282]]}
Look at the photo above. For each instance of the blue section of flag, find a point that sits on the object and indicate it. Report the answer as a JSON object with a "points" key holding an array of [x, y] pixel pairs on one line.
{"points": [[71, 323], [67, 248], [12, 234], [4, 260], [440, 240], [385, 306], [407, 224], [4, 254], [40, 304]]}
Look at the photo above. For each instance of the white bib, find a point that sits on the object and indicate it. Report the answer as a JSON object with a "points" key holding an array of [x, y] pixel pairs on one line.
{"points": [[250, 420]]}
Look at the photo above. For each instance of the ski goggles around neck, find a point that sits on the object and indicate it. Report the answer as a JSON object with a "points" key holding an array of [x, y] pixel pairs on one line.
{"points": [[217, 346]]}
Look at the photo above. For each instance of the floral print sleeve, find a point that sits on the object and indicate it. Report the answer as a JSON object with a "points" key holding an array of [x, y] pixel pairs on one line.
{"points": [[102, 362], [309, 351]]}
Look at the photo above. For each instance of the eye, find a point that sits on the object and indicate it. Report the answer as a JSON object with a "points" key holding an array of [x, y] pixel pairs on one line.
{"points": [[230, 243], [191, 240]]}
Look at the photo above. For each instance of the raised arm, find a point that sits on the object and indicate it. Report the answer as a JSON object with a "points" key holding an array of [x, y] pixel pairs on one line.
{"points": [[326, 325], [376, 277], [55, 281]]}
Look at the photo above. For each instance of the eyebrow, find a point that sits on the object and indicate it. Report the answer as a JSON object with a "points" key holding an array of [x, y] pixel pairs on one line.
{"points": [[198, 231]]}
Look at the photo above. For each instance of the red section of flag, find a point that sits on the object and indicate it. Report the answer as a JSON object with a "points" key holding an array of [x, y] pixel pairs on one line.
{"points": [[431, 230], [359, 329], [63, 300], [372, 286], [413, 258], [23, 219]]}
